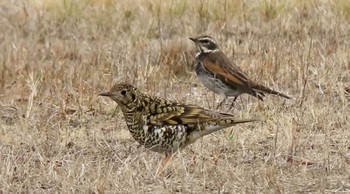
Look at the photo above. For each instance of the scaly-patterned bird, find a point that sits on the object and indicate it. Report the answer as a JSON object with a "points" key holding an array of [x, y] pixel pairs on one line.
{"points": [[165, 126]]}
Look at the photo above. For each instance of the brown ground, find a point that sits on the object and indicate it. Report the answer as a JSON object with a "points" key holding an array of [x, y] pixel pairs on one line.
{"points": [[58, 135]]}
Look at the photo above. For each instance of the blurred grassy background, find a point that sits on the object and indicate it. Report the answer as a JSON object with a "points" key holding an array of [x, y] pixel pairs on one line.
{"points": [[57, 135]]}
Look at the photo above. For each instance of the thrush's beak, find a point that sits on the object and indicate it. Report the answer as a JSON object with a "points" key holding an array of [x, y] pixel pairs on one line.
{"points": [[105, 94], [193, 39]]}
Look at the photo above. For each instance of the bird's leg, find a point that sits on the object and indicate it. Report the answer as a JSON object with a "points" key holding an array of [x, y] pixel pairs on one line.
{"points": [[213, 101], [260, 105], [233, 102], [207, 99], [167, 158], [115, 111], [220, 104], [193, 159]]}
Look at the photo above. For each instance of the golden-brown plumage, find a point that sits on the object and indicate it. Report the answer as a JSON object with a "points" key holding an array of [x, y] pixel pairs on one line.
{"points": [[165, 126]]}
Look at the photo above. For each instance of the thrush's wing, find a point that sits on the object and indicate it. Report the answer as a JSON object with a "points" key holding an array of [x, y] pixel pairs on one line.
{"points": [[175, 113], [219, 64], [232, 75]]}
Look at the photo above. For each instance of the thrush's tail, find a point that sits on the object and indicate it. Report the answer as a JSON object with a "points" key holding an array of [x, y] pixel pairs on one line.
{"points": [[217, 125], [260, 90]]}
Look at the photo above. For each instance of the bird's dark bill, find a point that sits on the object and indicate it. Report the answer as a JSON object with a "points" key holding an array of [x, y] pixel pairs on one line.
{"points": [[193, 39], [105, 94]]}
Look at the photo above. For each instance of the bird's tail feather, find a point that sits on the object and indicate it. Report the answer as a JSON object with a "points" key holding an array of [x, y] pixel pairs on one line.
{"points": [[230, 122], [262, 89]]}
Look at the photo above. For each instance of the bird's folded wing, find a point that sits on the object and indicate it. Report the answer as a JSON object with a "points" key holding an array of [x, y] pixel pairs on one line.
{"points": [[185, 114], [222, 67]]}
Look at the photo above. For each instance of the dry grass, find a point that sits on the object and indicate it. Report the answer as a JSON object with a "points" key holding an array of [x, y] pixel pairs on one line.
{"points": [[57, 135]]}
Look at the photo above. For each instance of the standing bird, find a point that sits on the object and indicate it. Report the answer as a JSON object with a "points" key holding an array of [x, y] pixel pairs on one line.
{"points": [[164, 126], [223, 77]]}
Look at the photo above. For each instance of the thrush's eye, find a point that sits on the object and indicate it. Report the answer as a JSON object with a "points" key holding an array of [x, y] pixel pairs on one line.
{"points": [[123, 92]]}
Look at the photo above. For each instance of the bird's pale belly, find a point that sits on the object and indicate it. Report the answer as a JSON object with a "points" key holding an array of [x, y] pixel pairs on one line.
{"points": [[217, 86], [213, 83]]}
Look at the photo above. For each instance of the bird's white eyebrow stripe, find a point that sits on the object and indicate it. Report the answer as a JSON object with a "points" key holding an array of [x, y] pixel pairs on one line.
{"points": [[207, 38], [210, 51]]}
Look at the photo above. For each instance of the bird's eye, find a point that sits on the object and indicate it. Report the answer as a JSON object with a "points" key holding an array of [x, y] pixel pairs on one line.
{"points": [[123, 92]]}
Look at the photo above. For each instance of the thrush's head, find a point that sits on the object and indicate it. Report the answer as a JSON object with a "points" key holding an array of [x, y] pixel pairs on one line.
{"points": [[123, 94], [205, 44]]}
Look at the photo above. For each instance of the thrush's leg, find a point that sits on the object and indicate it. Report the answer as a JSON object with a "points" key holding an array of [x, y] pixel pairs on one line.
{"points": [[220, 104], [260, 105], [115, 111], [193, 159], [233, 102], [167, 158]]}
